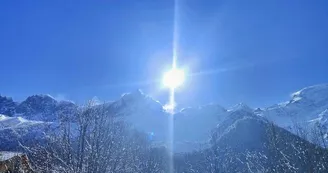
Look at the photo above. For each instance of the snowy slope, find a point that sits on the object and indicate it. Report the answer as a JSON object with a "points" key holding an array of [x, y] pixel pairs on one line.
{"points": [[17, 130], [16, 122], [305, 105], [306, 109]]}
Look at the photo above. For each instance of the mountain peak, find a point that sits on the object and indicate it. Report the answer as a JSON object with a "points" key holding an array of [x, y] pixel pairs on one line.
{"points": [[38, 106], [41, 97], [5, 97], [241, 107], [311, 93], [137, 100], [7, 106], [134, 95]]}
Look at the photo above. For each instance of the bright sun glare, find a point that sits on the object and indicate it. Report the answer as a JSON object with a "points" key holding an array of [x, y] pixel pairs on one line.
{"points": [[174, 78]]}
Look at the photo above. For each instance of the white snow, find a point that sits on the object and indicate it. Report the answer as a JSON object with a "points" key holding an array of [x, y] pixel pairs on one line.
{"points": [[314, 93], [307, 108], [5, 155], [16, 122], [305, 105], [241, 107], [3, 117]]}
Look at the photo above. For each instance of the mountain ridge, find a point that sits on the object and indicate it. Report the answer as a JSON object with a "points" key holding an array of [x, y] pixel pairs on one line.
{"points": [[190, 124]]}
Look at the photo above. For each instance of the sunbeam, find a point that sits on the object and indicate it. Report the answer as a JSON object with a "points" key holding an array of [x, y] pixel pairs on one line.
{"points": [[172, 89]]}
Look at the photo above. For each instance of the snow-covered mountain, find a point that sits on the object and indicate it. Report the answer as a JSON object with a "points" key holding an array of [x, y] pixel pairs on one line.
{"points": [[246, 142], [16, 122], [192, 126], [305, 105], [143, 113], [16, 130], [37, 107], [306, 109]]}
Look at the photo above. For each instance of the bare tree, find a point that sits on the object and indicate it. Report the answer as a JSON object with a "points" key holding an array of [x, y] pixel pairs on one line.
{"points": [[93, 140]]}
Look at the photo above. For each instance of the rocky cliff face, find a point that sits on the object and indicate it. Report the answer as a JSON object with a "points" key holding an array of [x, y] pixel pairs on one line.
{"points": [[14, 162]]}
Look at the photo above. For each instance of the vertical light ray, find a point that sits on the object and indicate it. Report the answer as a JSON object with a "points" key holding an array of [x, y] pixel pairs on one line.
{"points": [[172, 94], [171, 131]]}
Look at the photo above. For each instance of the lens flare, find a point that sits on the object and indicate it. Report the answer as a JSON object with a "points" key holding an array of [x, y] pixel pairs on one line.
{"points": [[173, 78]]}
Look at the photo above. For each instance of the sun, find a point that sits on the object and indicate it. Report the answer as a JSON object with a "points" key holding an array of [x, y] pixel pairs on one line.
{"points": [[174, 78]]}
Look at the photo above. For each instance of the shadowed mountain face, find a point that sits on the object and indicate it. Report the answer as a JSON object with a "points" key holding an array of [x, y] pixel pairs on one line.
{"points": [[248, 143], [7, 106]]}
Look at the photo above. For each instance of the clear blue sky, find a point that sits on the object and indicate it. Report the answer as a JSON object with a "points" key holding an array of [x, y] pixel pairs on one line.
{"points": [[256, 52]]}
